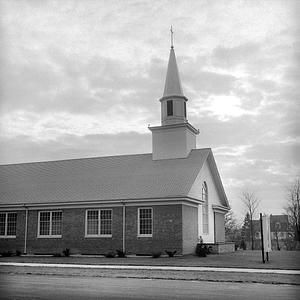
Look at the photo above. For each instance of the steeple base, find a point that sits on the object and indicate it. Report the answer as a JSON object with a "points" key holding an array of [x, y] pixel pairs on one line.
{"points": [[173, 141]]}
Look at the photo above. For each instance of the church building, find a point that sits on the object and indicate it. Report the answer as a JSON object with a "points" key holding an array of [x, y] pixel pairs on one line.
{"points": [[165, 200]]}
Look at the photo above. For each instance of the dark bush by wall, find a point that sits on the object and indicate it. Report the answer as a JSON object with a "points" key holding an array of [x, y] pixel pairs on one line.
{"points": [[66, 252], [171, 253], [202, 250], [156, 254], [110, 255], [6, 253], [121, 253]]}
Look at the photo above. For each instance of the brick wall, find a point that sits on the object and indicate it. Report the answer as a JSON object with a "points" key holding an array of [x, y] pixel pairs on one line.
{"points": [[189, 228], [73, 235], [167, 233], [15, 244], [167, 230]]}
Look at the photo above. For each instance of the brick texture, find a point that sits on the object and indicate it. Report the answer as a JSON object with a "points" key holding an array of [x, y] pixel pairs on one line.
{"points": [[15, 244], [167, 233], [189, 228], [167, 230]]}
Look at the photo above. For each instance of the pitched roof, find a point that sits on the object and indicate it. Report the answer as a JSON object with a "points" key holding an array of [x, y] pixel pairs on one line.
{"points": [[100, 178]]}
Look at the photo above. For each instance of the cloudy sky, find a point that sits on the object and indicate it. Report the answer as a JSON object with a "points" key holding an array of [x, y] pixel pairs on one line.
{"points": [[83, 78]]}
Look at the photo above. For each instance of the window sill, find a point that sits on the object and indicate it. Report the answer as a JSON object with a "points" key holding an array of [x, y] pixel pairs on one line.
{"points": [[49, 236], [145, 235], [8, 237], [98, 236]]}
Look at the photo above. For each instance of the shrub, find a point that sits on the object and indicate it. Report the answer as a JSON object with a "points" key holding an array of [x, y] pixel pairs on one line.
{"points": [[66, 252], [57, 254], [6, 253], [171, 253], [201, 250], [156, 254], [110, 255], [18, 253], [121, 253], [243, 244]]}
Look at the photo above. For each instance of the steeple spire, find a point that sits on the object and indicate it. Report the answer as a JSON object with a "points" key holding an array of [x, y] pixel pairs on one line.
{"points": [[172, 84]]}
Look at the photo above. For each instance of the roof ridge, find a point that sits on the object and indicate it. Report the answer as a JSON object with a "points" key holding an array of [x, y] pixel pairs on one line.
{"points": [[73, 159], [90, 158]]}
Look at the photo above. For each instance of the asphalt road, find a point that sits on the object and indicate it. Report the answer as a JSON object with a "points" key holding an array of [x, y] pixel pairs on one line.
{"points": [[24, 286]]}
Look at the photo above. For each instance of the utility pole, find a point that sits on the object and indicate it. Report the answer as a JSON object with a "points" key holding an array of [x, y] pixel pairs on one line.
{"points": [[262, 239]]}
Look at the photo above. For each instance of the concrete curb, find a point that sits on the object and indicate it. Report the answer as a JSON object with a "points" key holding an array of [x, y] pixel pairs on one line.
{"points": [[165, 268]]}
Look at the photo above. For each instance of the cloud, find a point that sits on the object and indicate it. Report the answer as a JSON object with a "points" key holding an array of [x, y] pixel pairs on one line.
{"points": [[207, 83], [24, 148], [231, 57], [264, 168]]}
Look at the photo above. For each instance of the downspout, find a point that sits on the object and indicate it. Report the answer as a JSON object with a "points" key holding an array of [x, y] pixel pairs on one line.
{"points": [[124, 227], [26, 226], [215, 229]]}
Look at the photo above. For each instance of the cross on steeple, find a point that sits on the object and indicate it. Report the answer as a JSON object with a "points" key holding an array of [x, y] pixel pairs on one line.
{"points": [[172, 39]]}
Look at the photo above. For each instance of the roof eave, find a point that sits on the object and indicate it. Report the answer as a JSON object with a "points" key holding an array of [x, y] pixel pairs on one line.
{"points": [[217, 178]]}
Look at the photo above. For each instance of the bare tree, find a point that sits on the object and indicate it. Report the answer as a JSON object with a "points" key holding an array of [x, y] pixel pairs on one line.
{"points": [[293, 207], [251, 202]]}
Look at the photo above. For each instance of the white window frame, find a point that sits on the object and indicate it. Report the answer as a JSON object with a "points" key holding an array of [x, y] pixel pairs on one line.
{"points": [[56, 236], [205, 209], [99, 224], [145, 235], [5, 236]]}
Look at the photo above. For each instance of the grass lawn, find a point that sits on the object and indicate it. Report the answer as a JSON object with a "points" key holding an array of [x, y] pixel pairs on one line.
{"points": [[241, 259]]}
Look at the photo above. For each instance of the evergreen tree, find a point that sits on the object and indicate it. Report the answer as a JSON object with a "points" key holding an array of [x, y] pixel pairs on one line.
{"points": [[246, 228]]}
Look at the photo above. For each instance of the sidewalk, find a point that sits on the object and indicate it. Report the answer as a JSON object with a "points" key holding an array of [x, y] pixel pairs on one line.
{"points": [[279, 260], [160, 268]]}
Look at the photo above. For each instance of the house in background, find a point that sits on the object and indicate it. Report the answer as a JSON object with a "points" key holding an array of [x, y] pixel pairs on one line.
{"points": [[140, 203], [281, 233]]}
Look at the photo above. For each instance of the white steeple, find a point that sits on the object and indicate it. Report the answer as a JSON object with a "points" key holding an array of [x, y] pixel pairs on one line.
{"points": [[172, 84], [173, 102], [175, 138]]}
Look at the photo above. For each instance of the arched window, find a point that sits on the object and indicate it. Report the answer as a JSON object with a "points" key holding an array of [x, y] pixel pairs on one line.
{"points": [[205, 208]]}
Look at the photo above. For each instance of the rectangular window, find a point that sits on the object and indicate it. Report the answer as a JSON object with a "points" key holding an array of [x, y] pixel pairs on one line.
{"points": [[56, 222], [92, 222], [170, 108], [105, 221], [184, 108], [145, 222], [99, 223], [8, 225], [50, 224], [2, 224]]}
